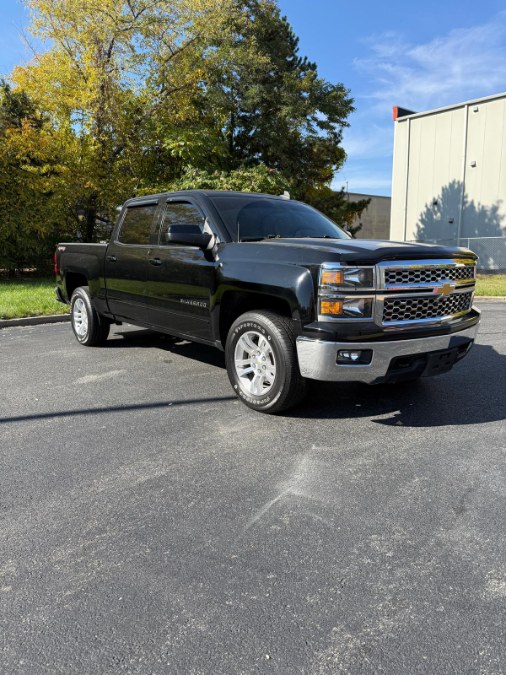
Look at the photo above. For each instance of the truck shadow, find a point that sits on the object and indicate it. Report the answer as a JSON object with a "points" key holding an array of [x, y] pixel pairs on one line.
{"points": [[145, 338], [474, 392]]}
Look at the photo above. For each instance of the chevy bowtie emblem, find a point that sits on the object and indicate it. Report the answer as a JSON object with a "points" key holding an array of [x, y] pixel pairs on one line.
{"points": [[444, 290]]}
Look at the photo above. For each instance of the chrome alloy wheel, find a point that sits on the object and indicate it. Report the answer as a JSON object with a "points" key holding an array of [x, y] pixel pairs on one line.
{"points": [[255, 364], [80, 318]]}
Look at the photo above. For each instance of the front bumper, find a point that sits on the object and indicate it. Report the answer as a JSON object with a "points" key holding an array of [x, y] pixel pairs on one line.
{"points": [[318, 359]]}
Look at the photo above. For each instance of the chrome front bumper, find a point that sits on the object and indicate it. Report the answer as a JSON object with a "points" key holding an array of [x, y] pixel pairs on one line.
{"points": [[318, 359]]}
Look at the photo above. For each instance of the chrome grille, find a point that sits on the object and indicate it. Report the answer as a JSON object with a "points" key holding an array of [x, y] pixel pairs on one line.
{"points": [[418, 308], [426, 275]]}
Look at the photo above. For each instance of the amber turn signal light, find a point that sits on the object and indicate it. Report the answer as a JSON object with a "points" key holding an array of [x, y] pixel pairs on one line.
{"points": [[332, 277], [331, 307]]}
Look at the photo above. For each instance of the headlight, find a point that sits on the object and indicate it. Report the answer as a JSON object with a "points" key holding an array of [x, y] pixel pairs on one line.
{"points": [[339, 292], [345, 308], [340, 277]]}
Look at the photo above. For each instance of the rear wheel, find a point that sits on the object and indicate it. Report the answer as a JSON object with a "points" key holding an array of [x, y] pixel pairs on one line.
{"points": [[262, 362], [89, 327]]}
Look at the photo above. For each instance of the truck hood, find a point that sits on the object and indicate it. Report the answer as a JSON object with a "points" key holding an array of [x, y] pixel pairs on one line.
{"points": [[352, 251]]}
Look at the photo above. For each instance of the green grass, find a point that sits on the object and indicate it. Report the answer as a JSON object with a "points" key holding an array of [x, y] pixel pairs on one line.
{"points": [[491, 284], [35, 297], [28, 297]]}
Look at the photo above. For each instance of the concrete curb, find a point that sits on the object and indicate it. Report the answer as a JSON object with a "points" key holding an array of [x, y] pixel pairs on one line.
{"points": [[490, 298], [34, 320]]}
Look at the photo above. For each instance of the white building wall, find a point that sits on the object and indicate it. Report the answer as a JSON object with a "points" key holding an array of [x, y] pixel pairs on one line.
{"points": [[399, 181], [485, 182], [449, 178]]}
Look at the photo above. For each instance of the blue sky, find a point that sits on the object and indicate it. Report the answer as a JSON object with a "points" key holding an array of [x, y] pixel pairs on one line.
{"points": [[418, 56]]}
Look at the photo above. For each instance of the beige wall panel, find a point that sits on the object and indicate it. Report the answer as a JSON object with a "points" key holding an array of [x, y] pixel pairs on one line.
{"points": [[399, 180], [455, 169], [435, 180], [421, 155], [484, 213]]}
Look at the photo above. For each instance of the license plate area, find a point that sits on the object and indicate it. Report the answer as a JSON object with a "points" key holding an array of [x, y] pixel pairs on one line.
{"points": [[441, 362]]}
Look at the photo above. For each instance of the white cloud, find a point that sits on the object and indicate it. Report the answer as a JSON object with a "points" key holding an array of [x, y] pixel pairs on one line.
{"points": [[364, 180], [466, 63], [368, 140]]}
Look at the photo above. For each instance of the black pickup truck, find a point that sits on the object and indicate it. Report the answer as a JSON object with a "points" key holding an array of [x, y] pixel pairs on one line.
{"points": [[285, 292]]}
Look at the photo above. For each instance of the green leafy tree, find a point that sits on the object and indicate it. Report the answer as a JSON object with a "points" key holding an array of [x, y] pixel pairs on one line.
{"points": [[253, 179], [338, 207], [270, 120], [117, 78], [136, 96], [28, 170], [279, 112]]}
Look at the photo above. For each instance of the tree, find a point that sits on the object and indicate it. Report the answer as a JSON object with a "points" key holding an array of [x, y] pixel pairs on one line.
{"points": [[338, 207], [117, 73], [279, 111], [137, 96], [254, 179], [28, 169], [270, 112]]}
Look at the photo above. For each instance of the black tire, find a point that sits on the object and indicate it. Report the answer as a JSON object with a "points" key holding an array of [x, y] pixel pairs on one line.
{"points": [[89, 327], [267, 341]]}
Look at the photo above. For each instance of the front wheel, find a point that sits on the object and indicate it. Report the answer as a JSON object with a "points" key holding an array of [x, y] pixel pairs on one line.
{"points": [[89, 327], [262, 362]]}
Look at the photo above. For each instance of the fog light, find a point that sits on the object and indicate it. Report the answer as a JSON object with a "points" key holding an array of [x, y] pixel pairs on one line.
{"points": [[349, 356], [354, 357]]}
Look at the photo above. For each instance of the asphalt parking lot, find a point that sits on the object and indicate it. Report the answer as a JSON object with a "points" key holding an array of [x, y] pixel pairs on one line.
{"points": [[151, 523]]}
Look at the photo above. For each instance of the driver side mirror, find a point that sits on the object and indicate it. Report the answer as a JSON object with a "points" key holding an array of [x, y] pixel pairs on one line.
{"points": [[187, 235]]}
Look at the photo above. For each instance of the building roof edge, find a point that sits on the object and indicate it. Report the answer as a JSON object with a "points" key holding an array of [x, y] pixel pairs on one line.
{"points": [[455, 106]]}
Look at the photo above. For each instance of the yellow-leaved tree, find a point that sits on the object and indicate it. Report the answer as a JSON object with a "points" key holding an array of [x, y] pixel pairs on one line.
{"points": [[31, 180], [117, 78]]}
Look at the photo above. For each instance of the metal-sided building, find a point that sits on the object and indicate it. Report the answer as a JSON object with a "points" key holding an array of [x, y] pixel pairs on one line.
{"points": [[375, 219], [449, 178]]}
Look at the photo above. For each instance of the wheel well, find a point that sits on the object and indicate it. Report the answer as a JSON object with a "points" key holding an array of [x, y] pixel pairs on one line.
{"points": [[233, 304], [72, 281]]}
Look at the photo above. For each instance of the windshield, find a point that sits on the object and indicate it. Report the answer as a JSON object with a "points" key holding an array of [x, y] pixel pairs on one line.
{"points": [[252, 218]]}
